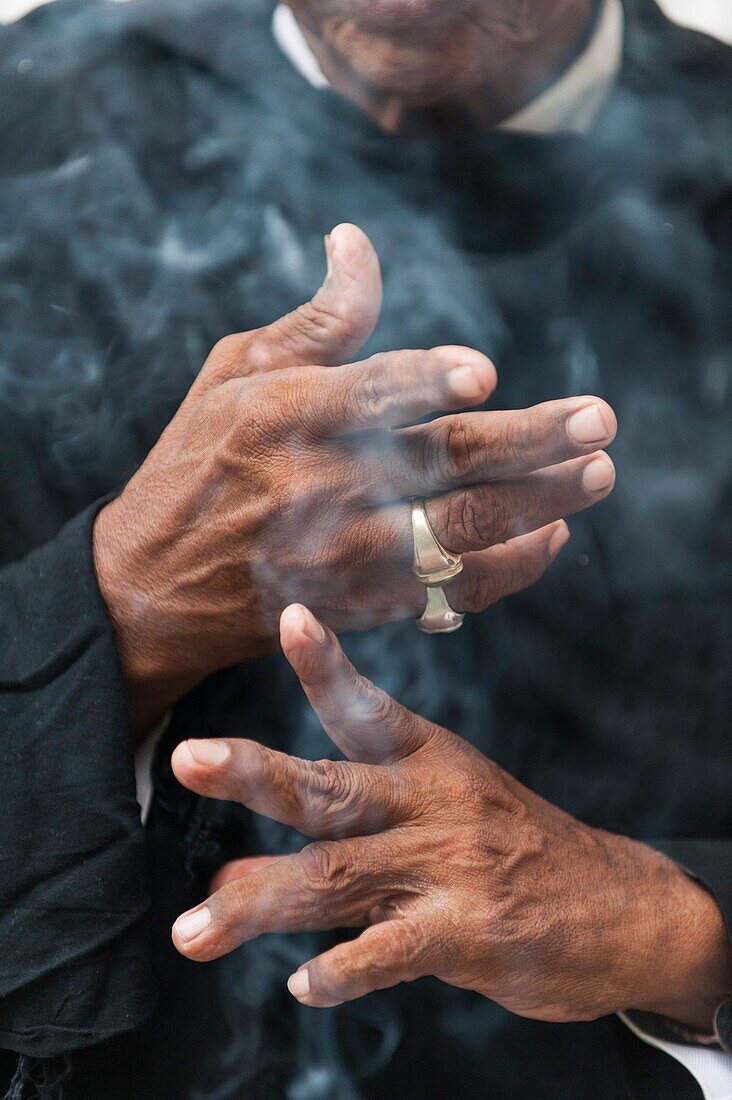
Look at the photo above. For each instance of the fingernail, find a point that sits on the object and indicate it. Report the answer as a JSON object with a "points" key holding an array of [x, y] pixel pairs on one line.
{"points": [[299, 984], [192, 924], [558, 539], [588, 425], [468, 382], [211, 753], [312, 628], [598, 475]]}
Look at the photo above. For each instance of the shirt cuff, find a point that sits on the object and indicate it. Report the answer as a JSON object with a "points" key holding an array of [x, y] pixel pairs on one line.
{"points": [[711, 1068], [143, 766]]}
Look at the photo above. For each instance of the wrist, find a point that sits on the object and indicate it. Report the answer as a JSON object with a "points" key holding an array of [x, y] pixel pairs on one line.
{"points": [[687, 957], [147, 639]]}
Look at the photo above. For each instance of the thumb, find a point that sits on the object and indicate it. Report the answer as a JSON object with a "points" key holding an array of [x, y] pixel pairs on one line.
{"points": [[330, 328], [364, 722], [327, 331]]}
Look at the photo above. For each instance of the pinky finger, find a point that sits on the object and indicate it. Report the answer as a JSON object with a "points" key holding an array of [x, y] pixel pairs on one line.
{"points": [[385, 954], [508, 567]]}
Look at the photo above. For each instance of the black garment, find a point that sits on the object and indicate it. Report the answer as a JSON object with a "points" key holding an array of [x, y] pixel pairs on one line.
{"points": [[166, 177]]}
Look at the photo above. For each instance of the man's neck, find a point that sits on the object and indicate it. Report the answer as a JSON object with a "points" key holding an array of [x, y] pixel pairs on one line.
{"points": [[566, 101], [536, 65]]}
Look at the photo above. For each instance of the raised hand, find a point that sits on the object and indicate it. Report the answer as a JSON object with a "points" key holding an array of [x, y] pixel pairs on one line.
{"points": [[453, 867], [286, 476]]}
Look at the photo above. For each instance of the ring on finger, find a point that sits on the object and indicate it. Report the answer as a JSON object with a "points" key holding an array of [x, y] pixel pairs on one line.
{"points": [[438, 617], [433, 564]]}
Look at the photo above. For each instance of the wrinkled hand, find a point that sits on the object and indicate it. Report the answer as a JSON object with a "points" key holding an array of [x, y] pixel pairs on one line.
{"points": [[456, 869], [281, 478]]}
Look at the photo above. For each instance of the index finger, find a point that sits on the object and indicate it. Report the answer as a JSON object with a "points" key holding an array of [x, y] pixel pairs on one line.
{"points": [[322, 798], [393, 388]]}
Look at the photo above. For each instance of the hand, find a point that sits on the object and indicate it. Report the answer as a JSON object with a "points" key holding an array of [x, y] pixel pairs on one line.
{"points": [[280, 480], [456, 869]]}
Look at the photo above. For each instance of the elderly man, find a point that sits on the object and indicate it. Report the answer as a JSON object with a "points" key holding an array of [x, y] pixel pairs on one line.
{"points": [[547, 183]]}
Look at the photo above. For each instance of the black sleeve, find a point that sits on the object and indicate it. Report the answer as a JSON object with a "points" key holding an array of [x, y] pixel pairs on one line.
{"points": [[74, 963]]}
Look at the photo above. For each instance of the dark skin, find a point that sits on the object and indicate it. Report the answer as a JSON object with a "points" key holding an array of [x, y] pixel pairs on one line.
{"points": [[180, 554], [451, 866], [285, 473]]}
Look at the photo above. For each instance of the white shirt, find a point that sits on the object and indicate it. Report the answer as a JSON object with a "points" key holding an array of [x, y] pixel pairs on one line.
{"points": [[570, 105]]}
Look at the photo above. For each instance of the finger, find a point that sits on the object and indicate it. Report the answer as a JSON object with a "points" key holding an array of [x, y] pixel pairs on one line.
{"points": [[483, 446], [334, 325], [240, 868], [474, 447], [382, 956], [470, 519], [330, 884], [321, 798], [364, 722], [326, 331], [480, 516], [487, 576], [490, 575], [393, 388]]}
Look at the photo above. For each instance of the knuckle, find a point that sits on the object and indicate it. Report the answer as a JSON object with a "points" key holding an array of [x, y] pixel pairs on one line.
{"points": [[374, 706], [262, 351], [453, 454], [225, 360], [308, 320], [480, 784], [498, 505], [244, 353], [402, 942], [317, 323], [230, 349], [373, 394], [324, 866], [474, 517], [329, 786]]}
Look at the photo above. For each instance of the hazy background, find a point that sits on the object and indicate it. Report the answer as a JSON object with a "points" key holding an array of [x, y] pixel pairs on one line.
{"points": [[713, 16]]}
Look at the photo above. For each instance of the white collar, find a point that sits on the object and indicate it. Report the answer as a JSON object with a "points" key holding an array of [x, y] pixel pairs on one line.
{"points": [[570, 105], [291, 41]]}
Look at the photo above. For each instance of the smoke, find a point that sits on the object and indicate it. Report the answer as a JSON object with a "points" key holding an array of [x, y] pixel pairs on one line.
{"points": [[176, 188]]}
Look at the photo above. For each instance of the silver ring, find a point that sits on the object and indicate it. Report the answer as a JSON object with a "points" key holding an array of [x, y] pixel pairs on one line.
{"points": [[438, 617], [433, 564]]}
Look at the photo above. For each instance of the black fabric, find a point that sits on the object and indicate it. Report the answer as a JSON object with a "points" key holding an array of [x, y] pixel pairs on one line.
{"points": [[75, 965], [165, 177], [723, 1025]]}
